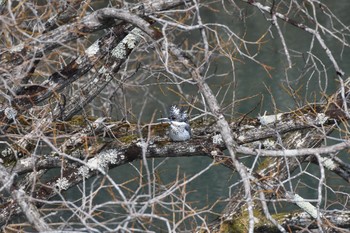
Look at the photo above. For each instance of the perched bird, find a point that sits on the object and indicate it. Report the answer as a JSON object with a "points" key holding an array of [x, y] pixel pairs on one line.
{"points": [[179, 129]]}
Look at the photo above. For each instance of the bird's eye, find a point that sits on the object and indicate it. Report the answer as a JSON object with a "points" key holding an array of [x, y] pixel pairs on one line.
{"points": [[172, 118]]}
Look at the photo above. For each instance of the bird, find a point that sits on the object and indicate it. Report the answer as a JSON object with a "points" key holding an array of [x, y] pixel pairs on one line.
{"points": [[179, 127]]}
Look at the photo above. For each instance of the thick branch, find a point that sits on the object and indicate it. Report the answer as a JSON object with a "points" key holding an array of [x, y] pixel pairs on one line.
{"points": [[19, 196]]}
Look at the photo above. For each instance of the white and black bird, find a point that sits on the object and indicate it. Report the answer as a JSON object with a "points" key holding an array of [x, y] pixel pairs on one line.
{"points": [[179, 129]]}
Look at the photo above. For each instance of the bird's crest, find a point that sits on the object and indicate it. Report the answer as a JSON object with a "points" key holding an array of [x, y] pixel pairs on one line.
{"points": [[177, 114]]}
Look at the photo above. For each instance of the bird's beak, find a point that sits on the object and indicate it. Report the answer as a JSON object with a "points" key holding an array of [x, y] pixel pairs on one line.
{"points": [[163, 119]]}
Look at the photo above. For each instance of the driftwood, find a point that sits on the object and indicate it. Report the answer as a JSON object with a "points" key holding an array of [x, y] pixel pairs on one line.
{"points": [[115, 143]]}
